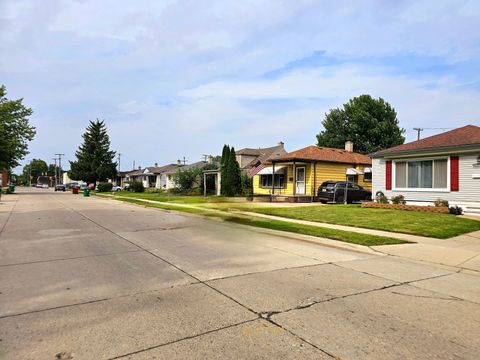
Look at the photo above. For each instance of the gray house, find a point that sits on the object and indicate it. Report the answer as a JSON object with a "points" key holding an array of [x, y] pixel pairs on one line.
{"points": [[250, 157], [444, 166]]}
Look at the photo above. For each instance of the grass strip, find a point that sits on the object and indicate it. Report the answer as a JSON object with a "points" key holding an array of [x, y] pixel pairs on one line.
{"points": [[340, 235], [440, 226]]}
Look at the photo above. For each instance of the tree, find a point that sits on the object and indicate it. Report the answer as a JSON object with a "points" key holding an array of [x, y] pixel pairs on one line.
{"points": [[371, 124], [235, 175], [15, 130], [35, 168], [94, 157], [225, 183]]}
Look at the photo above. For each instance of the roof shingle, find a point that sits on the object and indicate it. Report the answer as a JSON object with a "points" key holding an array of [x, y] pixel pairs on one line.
{"points": [[315, 153], [466, 135]]}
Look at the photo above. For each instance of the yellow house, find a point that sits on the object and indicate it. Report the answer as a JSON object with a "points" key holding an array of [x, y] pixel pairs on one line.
{"points": [[298, 174]]}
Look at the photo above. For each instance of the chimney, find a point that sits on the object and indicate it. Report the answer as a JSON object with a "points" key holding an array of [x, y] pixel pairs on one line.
{"points": [[156, 164], [210, 159], [179, 162], [280, 143], [349, 145], [139, 168]]}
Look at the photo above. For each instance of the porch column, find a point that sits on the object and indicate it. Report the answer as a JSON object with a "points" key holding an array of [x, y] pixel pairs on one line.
{"points": [[204, 184], [273, 178], [294, 179], [314, 193], [219, 183]]}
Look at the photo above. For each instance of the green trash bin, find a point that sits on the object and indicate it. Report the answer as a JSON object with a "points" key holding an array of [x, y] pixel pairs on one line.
{"points": [[11, 188], [86, 192]]}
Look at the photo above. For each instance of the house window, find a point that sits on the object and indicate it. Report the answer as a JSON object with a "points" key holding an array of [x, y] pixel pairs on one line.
{"points": [[367, 177], [266, 181], [421, 174]]}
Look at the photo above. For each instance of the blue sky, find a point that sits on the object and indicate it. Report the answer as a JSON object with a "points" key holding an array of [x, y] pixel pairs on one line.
{"points": [[181, 78]]}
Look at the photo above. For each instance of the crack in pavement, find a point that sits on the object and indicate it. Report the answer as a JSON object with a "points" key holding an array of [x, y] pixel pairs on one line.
{"points": [[185, 338], [9, 216], [98, 300], [425, 296], [70, 258]]}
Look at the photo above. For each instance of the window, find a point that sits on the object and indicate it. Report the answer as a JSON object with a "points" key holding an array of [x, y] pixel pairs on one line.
{"points": [[266, 181], [421, 174], [367, 177]]}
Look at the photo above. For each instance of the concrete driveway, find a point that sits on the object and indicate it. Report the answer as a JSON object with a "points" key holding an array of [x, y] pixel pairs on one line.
{"points": [[89, 278]]}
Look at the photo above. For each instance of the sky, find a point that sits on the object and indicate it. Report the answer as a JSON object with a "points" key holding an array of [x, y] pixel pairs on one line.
{"points": [[176, 79]]}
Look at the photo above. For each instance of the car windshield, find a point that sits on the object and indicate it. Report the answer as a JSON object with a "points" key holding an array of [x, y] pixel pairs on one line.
{"points": [[328, 185]]}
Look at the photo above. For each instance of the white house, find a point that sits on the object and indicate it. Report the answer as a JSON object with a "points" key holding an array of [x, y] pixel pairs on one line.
{"points": [[154, 176], [444, 166]]}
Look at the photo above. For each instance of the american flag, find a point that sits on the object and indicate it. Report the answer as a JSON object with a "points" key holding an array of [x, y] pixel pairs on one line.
{"points": [[255, 169]]}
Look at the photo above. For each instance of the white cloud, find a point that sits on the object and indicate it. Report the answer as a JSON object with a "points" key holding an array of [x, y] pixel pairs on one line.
{"points": [[176, 78]]}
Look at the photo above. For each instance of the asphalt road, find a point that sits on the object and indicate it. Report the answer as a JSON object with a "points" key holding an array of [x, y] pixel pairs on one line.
{"points": [[88, 278]]}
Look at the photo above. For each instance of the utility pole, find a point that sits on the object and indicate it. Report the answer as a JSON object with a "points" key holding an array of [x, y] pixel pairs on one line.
{"points": [[55, 169], [119, 156], [60, 166], [418, 130], [184, 161], [30, 174]]}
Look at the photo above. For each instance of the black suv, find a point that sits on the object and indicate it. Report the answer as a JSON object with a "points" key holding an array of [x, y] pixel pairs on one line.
{"points": [[335, 191]]}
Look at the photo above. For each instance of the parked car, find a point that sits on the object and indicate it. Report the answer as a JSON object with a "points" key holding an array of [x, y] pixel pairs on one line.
{"points": [[60, 187], [71, 185], [117, 188], [83, 186], [335, 191]]}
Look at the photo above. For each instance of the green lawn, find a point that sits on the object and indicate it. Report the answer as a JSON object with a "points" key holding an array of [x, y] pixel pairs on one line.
{"points": [[164, 197], [440, 226], [340, 235]]}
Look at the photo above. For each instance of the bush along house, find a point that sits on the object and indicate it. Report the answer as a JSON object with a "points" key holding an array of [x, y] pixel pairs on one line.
{"points": [[444, 166], [296, 176]]}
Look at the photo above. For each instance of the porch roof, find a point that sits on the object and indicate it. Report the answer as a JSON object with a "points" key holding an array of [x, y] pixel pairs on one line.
{"points": [[269, 170]]}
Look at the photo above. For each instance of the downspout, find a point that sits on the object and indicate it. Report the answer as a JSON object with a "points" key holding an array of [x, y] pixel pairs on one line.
{"points": [[294, 179], [314, 180]]}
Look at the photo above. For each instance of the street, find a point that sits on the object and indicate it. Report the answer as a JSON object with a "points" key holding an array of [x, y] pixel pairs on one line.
{"points": [[90, 278]]}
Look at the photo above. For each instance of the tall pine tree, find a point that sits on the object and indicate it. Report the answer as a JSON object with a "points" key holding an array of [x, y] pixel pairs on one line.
{"points": [[94, 157], [234, 174], [225, 183]]}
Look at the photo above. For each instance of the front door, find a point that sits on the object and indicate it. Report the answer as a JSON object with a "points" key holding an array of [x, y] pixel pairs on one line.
{"points": [[300, 181]]}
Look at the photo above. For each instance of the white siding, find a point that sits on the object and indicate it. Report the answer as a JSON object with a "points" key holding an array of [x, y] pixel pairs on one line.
{"points": [[469, 188], [378, 176]]}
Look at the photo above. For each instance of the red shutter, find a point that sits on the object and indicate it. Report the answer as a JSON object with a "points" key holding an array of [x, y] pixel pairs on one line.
{"points": [[388, 174], [454, 181]]}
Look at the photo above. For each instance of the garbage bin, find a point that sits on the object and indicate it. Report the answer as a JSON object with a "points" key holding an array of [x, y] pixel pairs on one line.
{"points": [[75, 190], [11, 188], [86, 192]]}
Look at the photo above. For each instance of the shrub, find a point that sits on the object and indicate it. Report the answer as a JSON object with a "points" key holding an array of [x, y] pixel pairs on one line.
{"points": [[136, 186], [382, 199], [247, 185], [105, 187], [441, 203], [399, 199], [155, 191], [455, 210], [187, 180]]}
